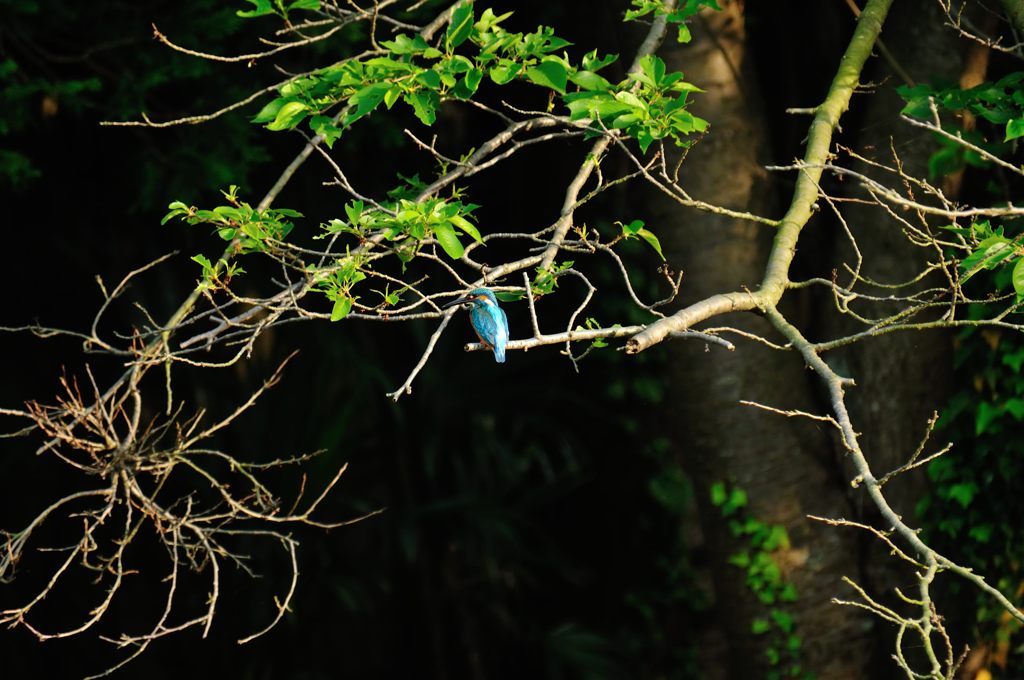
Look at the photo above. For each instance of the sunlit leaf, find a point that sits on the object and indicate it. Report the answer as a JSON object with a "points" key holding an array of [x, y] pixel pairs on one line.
{"points": [[1014, 129], [467, 227], [288, 116], [445, 234], [549, 73], [652, 240], [1018, 277], [460, 27], [342, 306]]}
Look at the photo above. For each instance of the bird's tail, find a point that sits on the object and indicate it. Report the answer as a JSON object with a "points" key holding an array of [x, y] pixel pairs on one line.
{"points": [[499, 354]]}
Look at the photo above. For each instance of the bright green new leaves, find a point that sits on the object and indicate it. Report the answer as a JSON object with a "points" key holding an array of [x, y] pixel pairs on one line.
{"points": [[1017, 278], [636, 229], [592, 324], [649, 105], [677, 16], [551, 72], [251, 229], [337, 283], [990, 249], [460, 27], [277, 7], [416, 45], [214, 275], [547, 279], [409, 223], [406, 227], [1014, 127], [360, 87], [286, 114]]}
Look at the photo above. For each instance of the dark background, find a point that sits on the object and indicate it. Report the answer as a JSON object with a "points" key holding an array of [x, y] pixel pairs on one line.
{"points": [[537, 521]]}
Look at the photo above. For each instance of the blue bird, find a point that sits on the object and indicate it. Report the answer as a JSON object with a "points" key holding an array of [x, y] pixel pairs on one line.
{"points": [[487, 318]]}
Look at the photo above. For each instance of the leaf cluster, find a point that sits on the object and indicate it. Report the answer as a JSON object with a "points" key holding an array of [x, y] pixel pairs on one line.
{"points": [[649, 104], [1000, 104], [764, 578]]}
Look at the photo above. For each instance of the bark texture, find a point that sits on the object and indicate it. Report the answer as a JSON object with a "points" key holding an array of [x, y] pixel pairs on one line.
{"points": [[786, 465], [902, 378]]}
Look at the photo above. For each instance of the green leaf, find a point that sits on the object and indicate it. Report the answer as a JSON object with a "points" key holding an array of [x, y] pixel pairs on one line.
{"points": [[424, 104], [354, 211], [342, 306], [777, 538], [459, 64], [460, 27], [588, 80], [466, 87], [288, 116], [1015, 407], [963, 493], [987, 254], [718, 493], [652, 240], [175, 208], [467, 227], [445, 234], [504, 72], [591, 62], [305, 4], [269, 110], [324, 125], [1018, 277], [945, 161], [489, 20], [262, 8], [403, 44], [633, 228], [654, 67], [1014, 360], [783, 620], [431, 79], [549, 73], [1014, 129], [644, 138], [981, 532], [740, 559], [737, 499], [760, 626], [367, 99]]}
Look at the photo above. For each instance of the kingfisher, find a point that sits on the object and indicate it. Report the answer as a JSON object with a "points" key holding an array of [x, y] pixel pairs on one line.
{"points": [[487, 318]]}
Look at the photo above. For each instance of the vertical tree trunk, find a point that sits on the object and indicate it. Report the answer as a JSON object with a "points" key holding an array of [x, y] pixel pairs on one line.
{"points": [[902, 378], [785, 464]]}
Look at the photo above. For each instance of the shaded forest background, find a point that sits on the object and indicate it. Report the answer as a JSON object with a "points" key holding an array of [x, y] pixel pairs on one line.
{"points": [[539, 522]]}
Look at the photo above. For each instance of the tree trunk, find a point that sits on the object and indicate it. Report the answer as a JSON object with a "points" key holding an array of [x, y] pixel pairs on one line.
{"points": [[784, 464], [902, 378]]}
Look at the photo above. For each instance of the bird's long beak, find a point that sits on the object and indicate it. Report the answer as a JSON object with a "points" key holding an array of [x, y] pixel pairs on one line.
{"points": [[458, 301]]}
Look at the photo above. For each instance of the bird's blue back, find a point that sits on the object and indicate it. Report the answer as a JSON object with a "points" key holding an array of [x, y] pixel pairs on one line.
{"points": [[491, 325]]}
